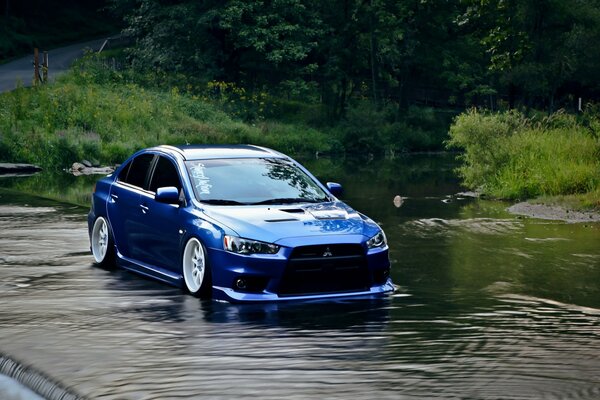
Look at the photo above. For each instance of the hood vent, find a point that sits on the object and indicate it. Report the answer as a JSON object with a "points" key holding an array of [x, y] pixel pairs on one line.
{"points": [[292, 210], [281, 220]]}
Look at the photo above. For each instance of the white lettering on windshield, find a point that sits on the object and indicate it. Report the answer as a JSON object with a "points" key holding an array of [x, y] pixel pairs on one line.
{"points": [[201, 181]]}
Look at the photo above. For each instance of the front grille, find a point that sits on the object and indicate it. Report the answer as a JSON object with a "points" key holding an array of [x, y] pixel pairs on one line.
{"points": [[325, 269]]}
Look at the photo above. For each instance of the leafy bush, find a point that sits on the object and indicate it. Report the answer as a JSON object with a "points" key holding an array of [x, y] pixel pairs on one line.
{"points": [[508, 155]]}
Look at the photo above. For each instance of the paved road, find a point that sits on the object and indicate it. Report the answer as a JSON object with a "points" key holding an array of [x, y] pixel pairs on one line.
{"points": [[60, 60]]}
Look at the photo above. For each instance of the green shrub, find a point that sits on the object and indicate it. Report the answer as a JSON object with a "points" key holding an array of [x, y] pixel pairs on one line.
{"points": [[508, 155]]}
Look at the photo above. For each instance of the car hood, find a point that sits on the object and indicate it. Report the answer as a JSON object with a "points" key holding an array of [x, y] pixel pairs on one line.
{"points": [[273, 223]]}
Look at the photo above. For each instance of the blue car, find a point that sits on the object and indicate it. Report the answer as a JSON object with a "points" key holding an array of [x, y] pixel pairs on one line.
{"points": [[235, 223]]}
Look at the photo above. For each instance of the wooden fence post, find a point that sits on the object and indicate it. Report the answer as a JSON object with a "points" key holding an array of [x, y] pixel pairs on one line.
{"points": [[36, 67], [45, 68]]}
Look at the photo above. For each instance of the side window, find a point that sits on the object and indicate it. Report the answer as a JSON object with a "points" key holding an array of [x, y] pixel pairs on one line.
{"points": [[165, 174], [138, 170], [123, 174]]}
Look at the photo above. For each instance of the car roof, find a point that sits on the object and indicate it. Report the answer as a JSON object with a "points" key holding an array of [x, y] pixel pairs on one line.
{"points": [[206, 152]]}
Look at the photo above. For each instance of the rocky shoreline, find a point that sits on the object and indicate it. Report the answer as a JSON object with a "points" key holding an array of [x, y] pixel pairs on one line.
{"points": [[86, 168], [15, 168], [82, 168], [553, 212]]}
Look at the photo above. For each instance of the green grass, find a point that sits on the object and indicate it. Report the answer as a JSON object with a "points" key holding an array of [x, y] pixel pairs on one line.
{"points": [[103, 115], [78, 118], [510, 156], [584, 201]]}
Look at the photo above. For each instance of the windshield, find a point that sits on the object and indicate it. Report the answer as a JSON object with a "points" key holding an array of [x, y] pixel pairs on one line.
{"points": [[252, 181]]}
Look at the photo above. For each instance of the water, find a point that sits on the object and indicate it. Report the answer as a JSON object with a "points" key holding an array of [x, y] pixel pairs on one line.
{"points": [[489, 306]]}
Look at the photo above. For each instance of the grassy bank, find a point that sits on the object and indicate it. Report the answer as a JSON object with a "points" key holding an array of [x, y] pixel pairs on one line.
{"points": [[103, 115], [552, 158], [77, 118]]}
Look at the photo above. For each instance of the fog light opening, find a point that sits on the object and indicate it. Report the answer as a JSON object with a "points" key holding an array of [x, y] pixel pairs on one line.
{"points": [[381, 276], [241, 283], [250, 284]]}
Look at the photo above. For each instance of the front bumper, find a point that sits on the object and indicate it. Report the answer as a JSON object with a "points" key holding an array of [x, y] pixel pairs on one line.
{"points": [[286, 276], [228, 294]]}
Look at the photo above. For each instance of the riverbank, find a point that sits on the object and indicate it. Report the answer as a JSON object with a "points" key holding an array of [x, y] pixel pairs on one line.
{"points": [[14, 168], [103, 113], [553, 212], [77, 118], [550, 161]]}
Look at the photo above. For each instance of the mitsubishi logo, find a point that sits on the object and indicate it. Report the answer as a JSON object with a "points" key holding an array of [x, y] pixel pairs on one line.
{"points": [[327, 252]]}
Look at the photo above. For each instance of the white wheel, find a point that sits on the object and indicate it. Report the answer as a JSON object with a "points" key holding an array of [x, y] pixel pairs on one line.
{"points": [[101, 242], [195, 269]]}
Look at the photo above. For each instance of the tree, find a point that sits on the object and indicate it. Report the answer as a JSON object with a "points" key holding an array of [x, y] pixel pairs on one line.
{"points": [[532, 45], [454, 52]]}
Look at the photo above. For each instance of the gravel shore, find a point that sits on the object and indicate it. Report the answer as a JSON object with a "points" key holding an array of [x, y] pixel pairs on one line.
{"points": [[553, 213]]}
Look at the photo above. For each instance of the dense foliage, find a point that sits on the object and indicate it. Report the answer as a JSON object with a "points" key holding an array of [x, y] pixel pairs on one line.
{"points": [[457, 53], [508, 155]]}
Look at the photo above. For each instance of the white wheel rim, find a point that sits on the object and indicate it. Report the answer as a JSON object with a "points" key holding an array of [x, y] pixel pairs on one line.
{"points": [[100, 239], [194, 263]]}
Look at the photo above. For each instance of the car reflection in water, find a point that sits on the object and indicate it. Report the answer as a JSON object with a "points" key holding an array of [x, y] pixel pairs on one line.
{"points": [[150, 301]]}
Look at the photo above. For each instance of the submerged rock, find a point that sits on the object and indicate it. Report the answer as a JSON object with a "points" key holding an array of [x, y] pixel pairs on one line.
{"points": [[398, 201]]}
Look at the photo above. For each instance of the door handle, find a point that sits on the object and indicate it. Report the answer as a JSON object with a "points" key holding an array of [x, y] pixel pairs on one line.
{"points": [[144, 208], [113, 198]]}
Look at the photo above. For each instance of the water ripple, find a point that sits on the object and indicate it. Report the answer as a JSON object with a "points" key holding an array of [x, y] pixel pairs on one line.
{"points": [[113, 335], [438, 226]]}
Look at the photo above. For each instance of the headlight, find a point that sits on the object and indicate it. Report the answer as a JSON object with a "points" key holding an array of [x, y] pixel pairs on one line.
{"points": [[238, 245], [378, 240]]}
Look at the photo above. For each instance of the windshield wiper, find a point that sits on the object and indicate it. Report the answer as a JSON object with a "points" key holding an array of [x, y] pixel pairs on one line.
{"points": [[223, 202], [288, 200]]}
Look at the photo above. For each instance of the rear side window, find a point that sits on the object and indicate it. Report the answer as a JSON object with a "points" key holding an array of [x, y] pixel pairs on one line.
{"points": [[137, 170], [165, 174]]}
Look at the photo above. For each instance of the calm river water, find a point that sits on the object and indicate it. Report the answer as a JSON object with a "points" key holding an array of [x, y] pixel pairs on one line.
{"points": [[489, 305]]}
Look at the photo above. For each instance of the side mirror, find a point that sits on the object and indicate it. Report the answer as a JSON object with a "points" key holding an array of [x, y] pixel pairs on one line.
{"points": [[168, 195], [335, 189]]}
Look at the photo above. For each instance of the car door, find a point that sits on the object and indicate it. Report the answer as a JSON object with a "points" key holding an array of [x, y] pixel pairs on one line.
{"points": [[161, 223], [123, 206]]}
